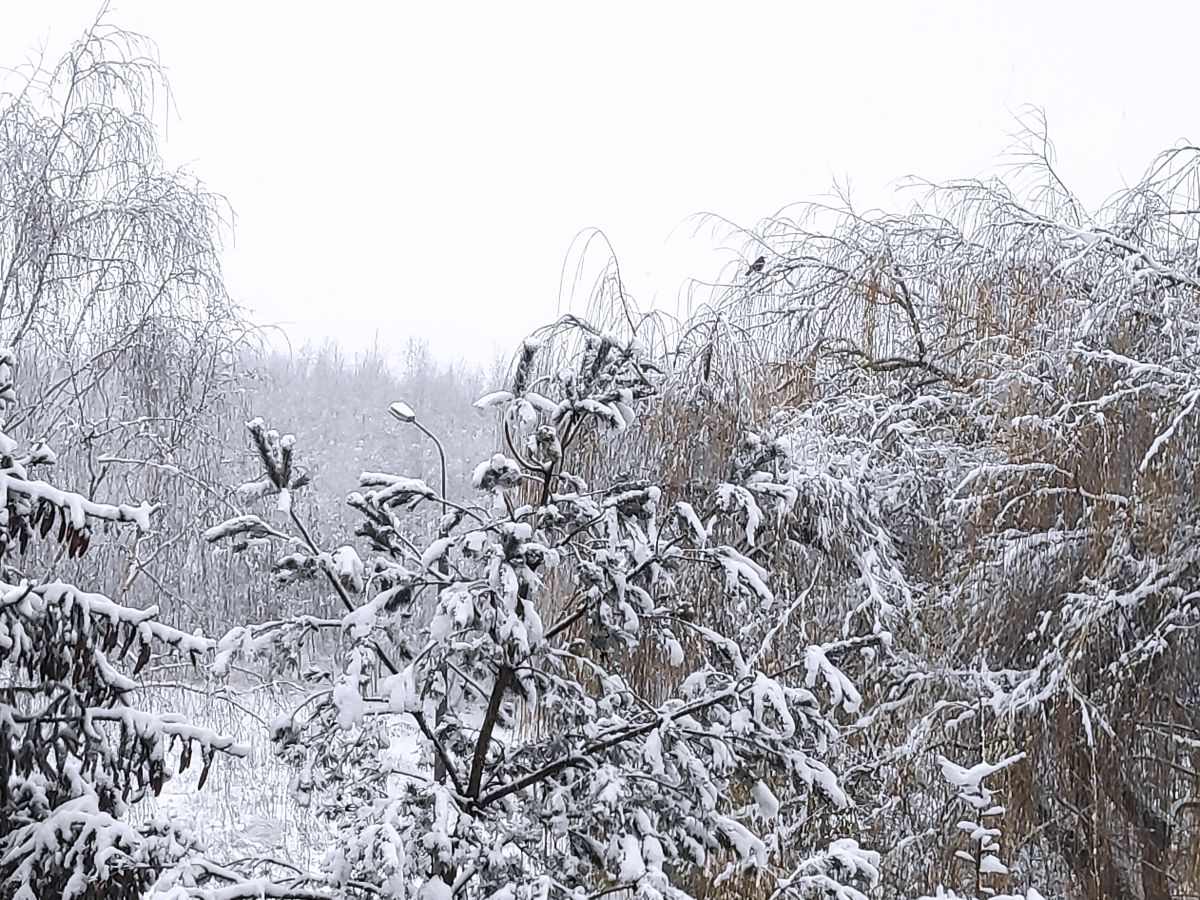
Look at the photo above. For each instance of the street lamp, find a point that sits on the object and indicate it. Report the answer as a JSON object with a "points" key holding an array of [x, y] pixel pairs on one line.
{"points": [[402, 412]]}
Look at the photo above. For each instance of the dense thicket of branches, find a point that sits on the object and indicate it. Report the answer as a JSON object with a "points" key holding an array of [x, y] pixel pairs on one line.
{"points": [[932, 475], [969, 433], [112, 301], [992, 400], [76, 750]]}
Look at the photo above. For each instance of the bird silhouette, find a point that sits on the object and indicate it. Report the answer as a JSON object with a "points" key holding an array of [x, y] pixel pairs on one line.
{"points": [[757, 265]]}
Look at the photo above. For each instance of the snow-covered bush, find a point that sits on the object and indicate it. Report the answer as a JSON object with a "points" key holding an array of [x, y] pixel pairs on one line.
{"points": [[546, 769], [75, 750], [1010, 378]]}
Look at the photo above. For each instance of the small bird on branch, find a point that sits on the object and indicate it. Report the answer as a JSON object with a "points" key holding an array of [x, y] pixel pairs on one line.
{"points": [[757, 265]]}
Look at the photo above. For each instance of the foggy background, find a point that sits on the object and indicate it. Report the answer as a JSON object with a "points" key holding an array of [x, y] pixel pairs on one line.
{"points": [[423, 170]]}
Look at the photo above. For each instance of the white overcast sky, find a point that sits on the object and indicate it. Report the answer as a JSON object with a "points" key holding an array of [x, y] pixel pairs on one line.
{"points": [[420, 169]]}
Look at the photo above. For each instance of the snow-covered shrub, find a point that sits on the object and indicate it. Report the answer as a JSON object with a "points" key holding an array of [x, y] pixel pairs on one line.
{"points": [[75, 750], [545, 769], [1010, 380]]}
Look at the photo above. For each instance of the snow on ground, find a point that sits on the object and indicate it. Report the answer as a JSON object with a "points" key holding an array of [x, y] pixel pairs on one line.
{"points": [[245, 808]]}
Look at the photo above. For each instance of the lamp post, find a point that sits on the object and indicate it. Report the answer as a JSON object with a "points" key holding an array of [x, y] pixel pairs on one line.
{"points": [[402, 412]]}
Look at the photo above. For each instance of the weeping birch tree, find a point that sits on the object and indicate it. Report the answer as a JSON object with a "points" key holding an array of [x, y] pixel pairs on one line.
{"points": [[111, 294]]}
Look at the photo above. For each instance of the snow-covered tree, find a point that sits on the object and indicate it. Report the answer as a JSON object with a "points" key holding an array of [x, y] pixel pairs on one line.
{"points": [[507, 636], [75, 750], [1011, 378], [113, 303]]}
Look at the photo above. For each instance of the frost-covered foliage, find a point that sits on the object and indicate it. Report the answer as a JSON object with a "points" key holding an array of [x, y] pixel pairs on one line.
{"points": [[741, 606], [1001, 385], [75, 751], [549, 769], [113, 303]]}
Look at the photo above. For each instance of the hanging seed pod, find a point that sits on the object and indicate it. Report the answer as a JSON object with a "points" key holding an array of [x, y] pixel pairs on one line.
{"points": [[77, 543], [47, 519], [207, 756], [143, 658], [128, 643], [81, 655]]}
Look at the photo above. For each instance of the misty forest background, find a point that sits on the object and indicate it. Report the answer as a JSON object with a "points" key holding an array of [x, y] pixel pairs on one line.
{"points": [[982, 413]]}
